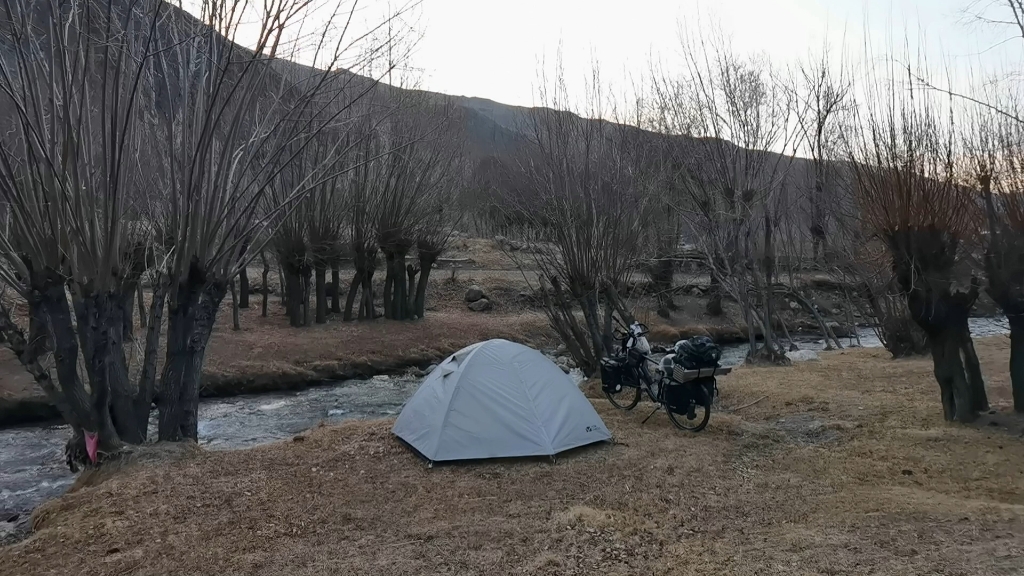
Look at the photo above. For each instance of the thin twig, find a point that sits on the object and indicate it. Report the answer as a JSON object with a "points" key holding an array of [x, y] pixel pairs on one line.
{"points": [[404, 543], [747, 405]]}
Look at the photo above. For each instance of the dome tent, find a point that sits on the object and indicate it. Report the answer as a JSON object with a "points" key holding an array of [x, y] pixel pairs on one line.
{"points": [[497, 399]]}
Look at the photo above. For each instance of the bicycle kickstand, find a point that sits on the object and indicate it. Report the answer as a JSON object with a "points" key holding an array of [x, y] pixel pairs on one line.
{"points": [[656, 408]]}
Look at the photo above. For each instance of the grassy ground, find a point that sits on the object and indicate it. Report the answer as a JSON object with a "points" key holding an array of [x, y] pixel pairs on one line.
{"points": [[844, 467]]}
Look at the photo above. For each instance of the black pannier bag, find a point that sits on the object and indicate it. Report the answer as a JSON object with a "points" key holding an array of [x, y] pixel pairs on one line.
{"points": [[698, 352], [678, 397], [617, 373]]}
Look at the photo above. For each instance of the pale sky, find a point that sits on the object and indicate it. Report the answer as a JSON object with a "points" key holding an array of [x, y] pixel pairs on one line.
{"points": [[493, 48]]}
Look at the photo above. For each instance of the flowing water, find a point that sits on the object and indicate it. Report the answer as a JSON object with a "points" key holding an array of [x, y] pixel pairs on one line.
{"points": [[32, 467]]}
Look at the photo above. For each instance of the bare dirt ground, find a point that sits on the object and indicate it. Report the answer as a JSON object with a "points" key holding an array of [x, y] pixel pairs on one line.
{"points": [[845, 467]]}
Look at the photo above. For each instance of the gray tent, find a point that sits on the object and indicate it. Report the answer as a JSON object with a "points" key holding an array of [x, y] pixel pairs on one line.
{"points": [[497, 399]]}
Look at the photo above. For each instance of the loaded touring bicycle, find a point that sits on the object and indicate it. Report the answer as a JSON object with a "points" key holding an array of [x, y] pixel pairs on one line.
{"points": [[684, 381]]}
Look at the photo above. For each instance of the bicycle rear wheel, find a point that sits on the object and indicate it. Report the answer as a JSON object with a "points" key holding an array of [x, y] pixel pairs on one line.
{"points": [[700, 410]]}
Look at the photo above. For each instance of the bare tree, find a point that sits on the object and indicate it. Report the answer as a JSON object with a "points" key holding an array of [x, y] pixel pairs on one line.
{"points": [[68, 171], [326, 230], [243, 116], [414, 205], [586, 201], [738, 116], [85, 82], [904, 162], [995, 149], [824, 94], [362, 199]]}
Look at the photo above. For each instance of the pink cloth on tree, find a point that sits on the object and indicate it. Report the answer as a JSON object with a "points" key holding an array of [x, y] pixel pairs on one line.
{"points": [[92, 444]]}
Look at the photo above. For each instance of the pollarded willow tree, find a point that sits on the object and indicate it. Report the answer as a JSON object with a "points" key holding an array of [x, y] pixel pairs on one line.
{"points": [[242, 117], [413, 204], [995, 157], [132, 121], [363, 200], [309, 230], [400, 198], [73, 90], [734, 116], [904, 161], [586, 200], [824, 93]]}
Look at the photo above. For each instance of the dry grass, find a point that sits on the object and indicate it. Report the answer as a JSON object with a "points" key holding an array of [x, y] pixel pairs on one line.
{"points": [[484, 252], [846, 468]]}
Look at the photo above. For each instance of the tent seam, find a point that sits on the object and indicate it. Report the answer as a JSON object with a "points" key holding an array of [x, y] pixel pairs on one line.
{"points": [[536, 415], [451, 400]]}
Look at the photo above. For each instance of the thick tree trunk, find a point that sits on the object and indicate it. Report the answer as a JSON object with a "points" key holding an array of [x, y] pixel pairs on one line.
{"points": [[101, 328], [29, 350], [307, 285], [128, 314], [367, 310], [399, 296], [236, 323], [410, 300], [566, 324], [819, 233], [54, 306], [243, 288], [972, 370], [768, 263], [292, 296], [661, 273], [283, 283], [957, 397], [590, 313], [607, 331], [389, 284], [336, 282], [190, 322], [140, 301], [714, 305], [353, 291], [147, 376], [130, 425], [1017, 361], [420, 306], [266, 285], [321, 295]]}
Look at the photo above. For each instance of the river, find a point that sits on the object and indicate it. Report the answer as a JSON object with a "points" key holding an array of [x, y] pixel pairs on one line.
{"points": [[32, 468]]}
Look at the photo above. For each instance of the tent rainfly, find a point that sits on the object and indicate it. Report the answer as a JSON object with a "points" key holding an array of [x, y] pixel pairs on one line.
{"points": [[497, 399]]}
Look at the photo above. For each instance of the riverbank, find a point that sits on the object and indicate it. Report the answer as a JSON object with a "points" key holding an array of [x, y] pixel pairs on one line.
{"points": [[266, 356], [846, 464]]}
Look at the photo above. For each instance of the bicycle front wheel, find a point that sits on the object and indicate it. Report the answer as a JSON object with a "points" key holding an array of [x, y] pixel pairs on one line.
{"points": [[625, 399]]}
